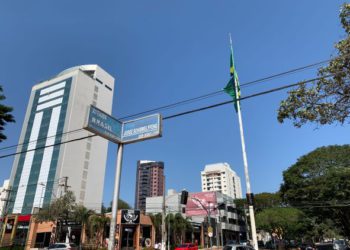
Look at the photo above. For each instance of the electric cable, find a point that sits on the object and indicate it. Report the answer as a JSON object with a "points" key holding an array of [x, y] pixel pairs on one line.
{"points": [[188, 112], [185, 101]]}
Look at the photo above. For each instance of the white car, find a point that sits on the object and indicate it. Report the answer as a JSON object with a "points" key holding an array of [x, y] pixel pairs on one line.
{"points": [[237, 247]]}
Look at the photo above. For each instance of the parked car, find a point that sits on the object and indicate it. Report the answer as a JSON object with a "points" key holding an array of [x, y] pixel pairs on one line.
{"points": [[238, 247], [187, 246], [63, 246], [232, 242], [340, 244]]}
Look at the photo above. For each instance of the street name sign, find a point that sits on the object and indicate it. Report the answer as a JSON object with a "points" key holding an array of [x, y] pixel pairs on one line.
{"points": [[141, 129], [104, 125], [108, 127]]}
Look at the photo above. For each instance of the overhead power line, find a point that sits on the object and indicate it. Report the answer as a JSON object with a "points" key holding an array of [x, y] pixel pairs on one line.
{"points": [[243, 98], [292, 71], [183, 102], [182, 113], [59, 143]]}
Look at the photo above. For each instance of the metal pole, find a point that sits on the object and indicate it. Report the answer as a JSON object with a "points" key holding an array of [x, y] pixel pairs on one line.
{"points": [[245, 162], [118, 171], [163, 217], [217, 232], [41, 201], [209, 221], [169, 232]]}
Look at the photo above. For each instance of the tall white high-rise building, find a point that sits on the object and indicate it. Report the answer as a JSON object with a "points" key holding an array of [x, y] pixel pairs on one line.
{"points": [[48, 166], [4, 191], [220, 177]]}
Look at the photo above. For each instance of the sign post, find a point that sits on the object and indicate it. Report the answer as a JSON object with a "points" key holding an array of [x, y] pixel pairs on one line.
{"points": [[108, 127]]}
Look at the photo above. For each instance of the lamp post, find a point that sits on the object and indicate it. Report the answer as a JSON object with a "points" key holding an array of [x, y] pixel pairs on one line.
{"points": [[41, 201], [208, 214]]}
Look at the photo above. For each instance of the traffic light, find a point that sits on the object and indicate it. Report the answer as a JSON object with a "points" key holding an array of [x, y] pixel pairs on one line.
{"points": [[184, 197]]}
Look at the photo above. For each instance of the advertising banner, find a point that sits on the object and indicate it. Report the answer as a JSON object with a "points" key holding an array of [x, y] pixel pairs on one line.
{"points": [[199, 204]]}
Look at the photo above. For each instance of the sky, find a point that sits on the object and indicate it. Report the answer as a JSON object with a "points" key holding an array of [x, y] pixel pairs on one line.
{"points": [[162, 52]]}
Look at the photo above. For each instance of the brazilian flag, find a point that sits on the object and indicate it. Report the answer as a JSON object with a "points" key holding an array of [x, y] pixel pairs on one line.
{"points": [[230, 87]]}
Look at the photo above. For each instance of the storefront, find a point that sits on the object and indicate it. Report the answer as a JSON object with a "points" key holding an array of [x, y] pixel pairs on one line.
{"points": [[133, 230], [15, 230]]}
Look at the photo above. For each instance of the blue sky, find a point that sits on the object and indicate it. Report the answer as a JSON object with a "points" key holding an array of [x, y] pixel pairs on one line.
{"points": [[161, 52]]}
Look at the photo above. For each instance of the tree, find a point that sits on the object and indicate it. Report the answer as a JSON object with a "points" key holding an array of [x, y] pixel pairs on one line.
{"points": [[157, 223], [82, 214], [178, 226], [319, 184], [327, 100], [60, 210], [261, 201], [96, 225], [283, 222], [121, 205], [5, 115]]}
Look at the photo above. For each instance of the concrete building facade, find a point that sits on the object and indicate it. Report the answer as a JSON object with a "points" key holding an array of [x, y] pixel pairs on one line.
{"points": [[227, 222], [220, 177], [56, 113], [149, 182]]}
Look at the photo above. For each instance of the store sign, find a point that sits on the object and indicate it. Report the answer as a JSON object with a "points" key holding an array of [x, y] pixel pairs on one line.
{"points": [[130, 216]]}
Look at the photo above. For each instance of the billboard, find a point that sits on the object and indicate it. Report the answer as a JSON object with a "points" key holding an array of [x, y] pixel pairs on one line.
{"points": [[198, 204]]}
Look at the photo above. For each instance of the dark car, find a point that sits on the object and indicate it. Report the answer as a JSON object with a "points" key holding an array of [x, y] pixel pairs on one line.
{"points": [[63, 246]]}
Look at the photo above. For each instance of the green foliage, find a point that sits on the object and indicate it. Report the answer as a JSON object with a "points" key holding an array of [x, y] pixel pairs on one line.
{"points": [[61, 209], [121, 205], [96, 227], [285, 222], [5, 115], [327, 100], [157, 223], [261, 201], [178, 226], [319, 184]]}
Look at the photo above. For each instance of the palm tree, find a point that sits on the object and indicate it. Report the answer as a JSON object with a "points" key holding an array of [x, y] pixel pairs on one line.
{"points": [[157, 223], [97, 225], [180, 226], [81, 214], [5, 115]]}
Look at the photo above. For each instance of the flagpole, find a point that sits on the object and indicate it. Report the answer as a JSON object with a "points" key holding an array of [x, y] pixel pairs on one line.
{"points": [[245, 162]]}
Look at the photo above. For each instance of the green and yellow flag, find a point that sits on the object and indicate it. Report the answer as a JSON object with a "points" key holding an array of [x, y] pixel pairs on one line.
{"points": [[231, 85]]}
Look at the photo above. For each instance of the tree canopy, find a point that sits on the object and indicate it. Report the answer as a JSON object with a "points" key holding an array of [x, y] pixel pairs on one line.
{"points": [[5, 115], [326, 100], [283, 222], [319, 184], [261, 201]]}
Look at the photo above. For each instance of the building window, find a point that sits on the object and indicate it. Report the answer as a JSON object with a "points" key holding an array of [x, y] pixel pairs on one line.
{"points": [[109, 88]]}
